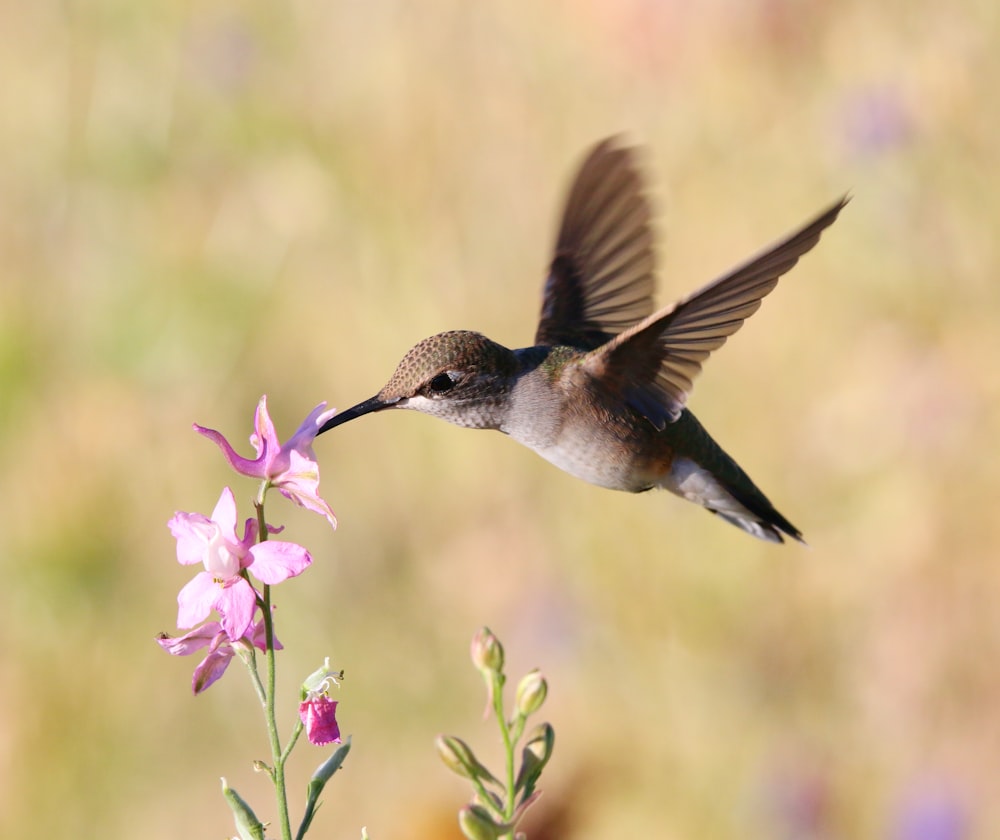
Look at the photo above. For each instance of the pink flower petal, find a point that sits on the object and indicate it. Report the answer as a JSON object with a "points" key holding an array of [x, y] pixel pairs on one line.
{"points": [[211, 668], [244, 466], [224, 514], [275, 561], [301, 441], [192, 531], [196, 600], [250, 529], [318, 715], [300, 484], [190, 642], [259, 638], [265, 437], [235, 605]]}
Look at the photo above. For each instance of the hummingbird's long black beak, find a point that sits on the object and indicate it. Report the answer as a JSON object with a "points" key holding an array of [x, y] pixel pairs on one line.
{"points": [[376, 403]]}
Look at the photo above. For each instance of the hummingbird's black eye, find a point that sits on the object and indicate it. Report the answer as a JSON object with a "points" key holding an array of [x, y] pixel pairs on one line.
{"points": [[443, 382]]}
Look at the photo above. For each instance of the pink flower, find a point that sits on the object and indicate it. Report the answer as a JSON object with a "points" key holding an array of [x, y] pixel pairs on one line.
{"points": [[220, 649], [291, 468], [223, 586], [317, 711], [319, 715]]}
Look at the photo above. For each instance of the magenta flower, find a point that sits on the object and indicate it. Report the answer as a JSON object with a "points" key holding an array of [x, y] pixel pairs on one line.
{"points": [[291, 468], [317, 711], [223, 586], [319, 715], [220, 649]]}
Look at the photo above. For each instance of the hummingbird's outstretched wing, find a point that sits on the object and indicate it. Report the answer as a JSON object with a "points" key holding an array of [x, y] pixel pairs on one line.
{"points": [[652, 365], [601, 278]]}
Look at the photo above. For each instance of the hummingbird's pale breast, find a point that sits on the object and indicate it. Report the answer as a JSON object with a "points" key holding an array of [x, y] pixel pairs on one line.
{"points": [[556, 410]]}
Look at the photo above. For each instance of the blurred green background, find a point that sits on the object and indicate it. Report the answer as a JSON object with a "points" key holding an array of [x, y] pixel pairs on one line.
{"points": [[204, 202]]}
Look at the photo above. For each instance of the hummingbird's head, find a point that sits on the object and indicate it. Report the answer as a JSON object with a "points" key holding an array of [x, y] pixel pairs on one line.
{"points": [[459, 376]]}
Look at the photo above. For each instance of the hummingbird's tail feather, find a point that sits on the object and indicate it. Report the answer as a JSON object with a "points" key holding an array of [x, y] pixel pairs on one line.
{"points": [[769, 529], [708, 476]]}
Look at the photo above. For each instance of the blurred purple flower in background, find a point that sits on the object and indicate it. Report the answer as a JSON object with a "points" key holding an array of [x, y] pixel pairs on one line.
{"points": [[875, 120], [931, 812]]}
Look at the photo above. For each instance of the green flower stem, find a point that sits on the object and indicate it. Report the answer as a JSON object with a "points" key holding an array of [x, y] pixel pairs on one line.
{"points": [[292, 740], [508, 747], [486, 799], [250, 658], [277, 755]]}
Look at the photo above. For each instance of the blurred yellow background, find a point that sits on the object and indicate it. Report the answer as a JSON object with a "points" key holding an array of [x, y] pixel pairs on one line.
{"points": [[204, 202]]}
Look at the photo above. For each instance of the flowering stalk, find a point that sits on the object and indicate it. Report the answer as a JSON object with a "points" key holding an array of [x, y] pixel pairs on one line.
{"points": [[239, 572], [510, 731], [497, 807]]}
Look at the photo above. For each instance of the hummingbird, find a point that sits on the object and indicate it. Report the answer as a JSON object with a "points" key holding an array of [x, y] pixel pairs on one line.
{"points": [[602, 392]]}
